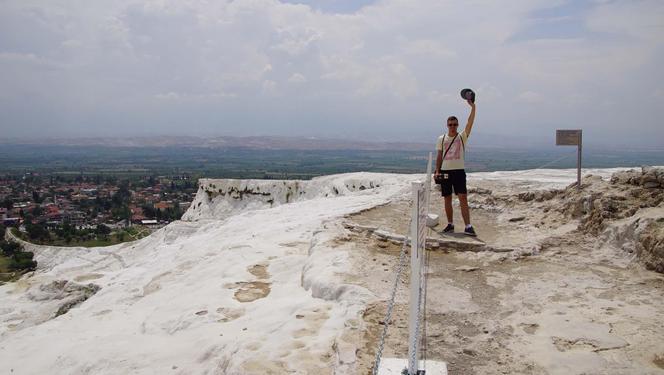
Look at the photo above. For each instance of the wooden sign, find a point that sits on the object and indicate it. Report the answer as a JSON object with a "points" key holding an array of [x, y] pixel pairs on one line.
{"points": [[568, 137], [572, 137]]}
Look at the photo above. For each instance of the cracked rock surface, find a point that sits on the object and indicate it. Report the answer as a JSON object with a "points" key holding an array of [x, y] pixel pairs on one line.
{"points": [[576, 295]]}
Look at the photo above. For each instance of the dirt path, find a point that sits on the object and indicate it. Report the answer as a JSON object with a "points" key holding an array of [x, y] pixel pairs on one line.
{"points": [[569, 308]]}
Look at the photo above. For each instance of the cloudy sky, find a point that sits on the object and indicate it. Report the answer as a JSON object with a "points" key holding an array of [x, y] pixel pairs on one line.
{"points": [[362, 69]]}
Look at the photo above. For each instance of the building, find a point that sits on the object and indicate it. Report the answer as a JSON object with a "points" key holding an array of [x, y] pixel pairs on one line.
{"points": [[11, 221], [163, 205]]}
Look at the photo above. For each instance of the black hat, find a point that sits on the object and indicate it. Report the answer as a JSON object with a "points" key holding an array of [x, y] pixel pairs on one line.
{"points": [[468, 94]]}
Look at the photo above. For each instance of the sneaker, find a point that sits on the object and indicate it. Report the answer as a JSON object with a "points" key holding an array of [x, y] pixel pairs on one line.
{"points": [[470, 231], [449, 228]]}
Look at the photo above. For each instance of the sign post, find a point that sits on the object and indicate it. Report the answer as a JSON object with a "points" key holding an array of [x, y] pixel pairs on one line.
{"points": [[572, 137]]}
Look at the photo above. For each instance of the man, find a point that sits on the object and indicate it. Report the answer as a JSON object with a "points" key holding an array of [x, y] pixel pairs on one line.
{"points": [[450, 169]]}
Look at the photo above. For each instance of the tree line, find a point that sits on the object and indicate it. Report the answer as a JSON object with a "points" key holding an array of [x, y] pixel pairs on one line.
{"points": [[19, 260]]}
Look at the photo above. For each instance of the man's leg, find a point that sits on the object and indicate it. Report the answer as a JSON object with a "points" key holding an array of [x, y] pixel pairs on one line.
{"points": [[449, 211], [465, 212]]}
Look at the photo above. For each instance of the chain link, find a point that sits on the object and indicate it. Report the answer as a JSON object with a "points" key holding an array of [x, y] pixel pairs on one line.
{"points": [[390, 305]]}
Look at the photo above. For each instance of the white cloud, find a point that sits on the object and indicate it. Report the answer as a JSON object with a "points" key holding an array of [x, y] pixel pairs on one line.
{"points": [[488, 93], [297, 78], [441, 97], [427, 48], [269, 87], [393, 58], [529, 97], [658, 95], [640, 19], [167, 96]]}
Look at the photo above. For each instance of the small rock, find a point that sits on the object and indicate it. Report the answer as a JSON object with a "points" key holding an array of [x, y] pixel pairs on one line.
{"points": [[651, 185], [480, 191], [527, 196], [469, 352], [466, 268], [432, 220]]}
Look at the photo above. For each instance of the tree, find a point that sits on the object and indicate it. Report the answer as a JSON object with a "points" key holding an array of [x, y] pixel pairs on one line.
{"points": [[9, 248], [123, 195], [37, 211], [68, 229], [103, 230], [177, 212], [23, 261], [149, 211], [126, 215], [36, 231]]}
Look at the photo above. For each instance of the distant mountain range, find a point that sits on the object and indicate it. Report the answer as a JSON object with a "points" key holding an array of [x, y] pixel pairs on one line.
{"points": [[480, 140], [260, 143]]}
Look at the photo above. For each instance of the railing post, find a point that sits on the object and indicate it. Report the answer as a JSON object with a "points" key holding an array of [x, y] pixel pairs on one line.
{"points": [[418, 238]]}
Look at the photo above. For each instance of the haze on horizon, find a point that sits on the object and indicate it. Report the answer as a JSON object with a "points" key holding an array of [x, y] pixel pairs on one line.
{"points": [[371, 70]]}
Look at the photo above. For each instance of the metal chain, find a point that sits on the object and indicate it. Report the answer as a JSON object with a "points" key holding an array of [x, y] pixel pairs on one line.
{"points": [[390, 305]]}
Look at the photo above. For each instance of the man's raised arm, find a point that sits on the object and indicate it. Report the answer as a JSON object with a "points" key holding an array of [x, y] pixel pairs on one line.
{"points": [[471, 119]]}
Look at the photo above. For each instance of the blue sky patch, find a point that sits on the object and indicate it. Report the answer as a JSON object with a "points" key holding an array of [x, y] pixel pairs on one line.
{"points": [[566, 21], [334, 6]]}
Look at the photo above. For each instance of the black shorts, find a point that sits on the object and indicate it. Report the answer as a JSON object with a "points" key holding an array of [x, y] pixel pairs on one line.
{"points": [[453, 179]]}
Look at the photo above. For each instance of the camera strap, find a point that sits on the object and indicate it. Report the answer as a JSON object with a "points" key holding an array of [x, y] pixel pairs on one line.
{"points": [[450, 146]]}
